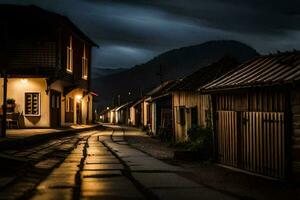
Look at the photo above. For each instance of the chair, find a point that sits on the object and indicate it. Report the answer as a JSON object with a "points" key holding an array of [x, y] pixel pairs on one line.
{"points": [[14, 121]]}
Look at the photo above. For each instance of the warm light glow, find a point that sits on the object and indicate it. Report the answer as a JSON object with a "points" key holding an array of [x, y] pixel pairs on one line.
{"points": [[24, 81], [78, 97], [107, 108]]}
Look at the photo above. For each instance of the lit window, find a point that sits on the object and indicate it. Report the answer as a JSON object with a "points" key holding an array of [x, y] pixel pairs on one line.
{"points": [[32, 104], [84, 64], [70, 56], [57, 102]]}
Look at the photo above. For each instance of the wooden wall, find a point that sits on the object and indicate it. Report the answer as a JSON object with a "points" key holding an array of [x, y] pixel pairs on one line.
{"points": [[254, 141], [252, 100], [132, 116], [159, 121], [153, 119], [78, 48], [24, 53], [251, 130], [295, 108], [145, 116], [189, 100]]}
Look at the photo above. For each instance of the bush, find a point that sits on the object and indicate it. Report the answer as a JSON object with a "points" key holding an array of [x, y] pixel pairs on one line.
{"points": [[199, 138]]}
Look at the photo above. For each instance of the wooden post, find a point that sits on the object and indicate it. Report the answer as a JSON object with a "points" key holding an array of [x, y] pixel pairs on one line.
{"points": [[3, 123], [88, 109]]}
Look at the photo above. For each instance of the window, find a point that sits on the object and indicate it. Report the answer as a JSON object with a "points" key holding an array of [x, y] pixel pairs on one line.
{"points": [[67, 105], [52, 101], [180, 115], [70, 105], [194, 116], [57, 101], [32, 104], [148, 114], [70, 56], [84, 64]]}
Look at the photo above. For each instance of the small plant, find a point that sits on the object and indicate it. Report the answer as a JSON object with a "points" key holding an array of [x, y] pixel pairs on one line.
{"points": [[10, 101]]}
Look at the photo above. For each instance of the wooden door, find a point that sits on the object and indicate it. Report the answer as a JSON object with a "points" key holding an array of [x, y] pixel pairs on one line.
{"points": [[166, 122], [138, 121], [55, 109], [194, 116], [263, 143], [78, 112], [227, 135], [253, 141]]}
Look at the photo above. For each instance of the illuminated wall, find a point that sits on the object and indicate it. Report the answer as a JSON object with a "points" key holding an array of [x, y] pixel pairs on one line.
{"points": [[16, 88], [77, 95]]}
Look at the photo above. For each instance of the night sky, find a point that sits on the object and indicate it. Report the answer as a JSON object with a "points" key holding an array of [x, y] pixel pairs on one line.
{"points": [[131, 32]]}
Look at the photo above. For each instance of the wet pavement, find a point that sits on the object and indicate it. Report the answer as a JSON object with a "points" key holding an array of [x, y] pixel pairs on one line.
{"points": [[99, 165]]}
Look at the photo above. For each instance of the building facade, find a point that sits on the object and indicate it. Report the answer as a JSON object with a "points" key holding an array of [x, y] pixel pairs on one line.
{"points": [[46, 59], [256, 116], [191, 107]]}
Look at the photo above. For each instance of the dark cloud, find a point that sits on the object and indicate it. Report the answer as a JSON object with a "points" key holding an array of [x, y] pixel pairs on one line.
{"points": [[233, 15], [130, 32]]}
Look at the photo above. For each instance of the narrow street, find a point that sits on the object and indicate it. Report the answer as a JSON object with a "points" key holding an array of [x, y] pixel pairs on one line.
{"points": [[98, 165]]}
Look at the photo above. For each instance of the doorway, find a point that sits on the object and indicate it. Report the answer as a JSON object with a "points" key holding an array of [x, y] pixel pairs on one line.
{"points": [[79, 112], [55, 109]]}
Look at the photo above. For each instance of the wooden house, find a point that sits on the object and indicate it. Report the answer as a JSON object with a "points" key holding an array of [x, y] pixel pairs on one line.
{"points": [[46, 60], [191, 107], [256, 116], [113, 115], [105, 116], [158, 109], [136, 113], [123, 114]]}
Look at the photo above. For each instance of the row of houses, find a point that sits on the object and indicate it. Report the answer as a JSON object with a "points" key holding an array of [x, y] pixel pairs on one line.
{"points": [[253, 110]]}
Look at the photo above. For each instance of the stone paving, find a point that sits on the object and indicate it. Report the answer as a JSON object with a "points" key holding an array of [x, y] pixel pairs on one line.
{"points": [[91, 171], [157, 177], [23, 168], [100, 165]]}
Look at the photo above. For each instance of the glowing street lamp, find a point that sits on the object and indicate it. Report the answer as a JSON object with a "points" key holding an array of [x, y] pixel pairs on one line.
{"points": [[78, 97]]}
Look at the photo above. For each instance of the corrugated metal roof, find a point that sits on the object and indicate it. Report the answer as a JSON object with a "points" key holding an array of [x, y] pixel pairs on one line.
{"points": [[138, 102], [275, 69], [128, 104], [207, 74], [162, 88]]}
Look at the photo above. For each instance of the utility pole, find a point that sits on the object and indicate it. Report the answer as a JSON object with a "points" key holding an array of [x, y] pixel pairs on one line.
{"points": [[160, 74], [119, 100], [4, 108]]}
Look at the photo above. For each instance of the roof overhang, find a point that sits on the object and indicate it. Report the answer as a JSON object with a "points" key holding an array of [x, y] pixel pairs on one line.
{"points": [[160, 97]]}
